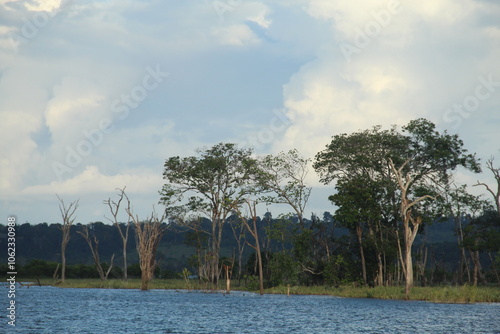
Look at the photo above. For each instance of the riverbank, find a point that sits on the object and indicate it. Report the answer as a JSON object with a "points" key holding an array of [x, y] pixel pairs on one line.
{"points": [[440, 294]]}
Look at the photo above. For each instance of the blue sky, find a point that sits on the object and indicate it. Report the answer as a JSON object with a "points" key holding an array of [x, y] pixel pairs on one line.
{"points": [[95, 95]]}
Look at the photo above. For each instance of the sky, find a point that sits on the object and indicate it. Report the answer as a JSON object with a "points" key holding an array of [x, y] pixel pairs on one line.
{"points": [[96, 95]]}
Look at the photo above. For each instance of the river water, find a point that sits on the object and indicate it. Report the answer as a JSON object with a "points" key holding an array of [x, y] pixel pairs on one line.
{"points": [[57, 310]]}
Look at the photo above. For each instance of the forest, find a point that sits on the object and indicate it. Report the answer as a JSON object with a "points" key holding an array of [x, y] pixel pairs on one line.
{"points": [[399, 218]]}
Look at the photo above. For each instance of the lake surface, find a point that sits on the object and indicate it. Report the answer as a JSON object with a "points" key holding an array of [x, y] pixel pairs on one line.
{"points": [[57, 310]]}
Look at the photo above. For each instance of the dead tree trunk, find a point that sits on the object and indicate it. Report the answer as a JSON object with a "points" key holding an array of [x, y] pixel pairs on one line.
{"points": [[94, 249], [148, 235], [114, 207], [67, 213], [495, 193]]}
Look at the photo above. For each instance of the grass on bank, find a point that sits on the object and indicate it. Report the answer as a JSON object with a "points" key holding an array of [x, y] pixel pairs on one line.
{"points": [[439, 294]]}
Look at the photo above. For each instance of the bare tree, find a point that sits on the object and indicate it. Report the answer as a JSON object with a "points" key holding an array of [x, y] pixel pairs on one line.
{"points": [[67, 213], [114, 208], [93, 243], [496, 174], [148, 234]]}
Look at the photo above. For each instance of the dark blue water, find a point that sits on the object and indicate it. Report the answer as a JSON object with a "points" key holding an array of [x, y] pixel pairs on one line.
{"points": [[57, 310]]}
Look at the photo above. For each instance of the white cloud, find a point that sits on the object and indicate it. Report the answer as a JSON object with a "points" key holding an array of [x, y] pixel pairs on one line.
{"points": [[398, 75], [226, 67], [91, 180], [43, 5], [235, 35]]}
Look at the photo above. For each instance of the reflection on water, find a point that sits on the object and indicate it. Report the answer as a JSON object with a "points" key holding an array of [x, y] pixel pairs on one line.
{"points": [[57, 310]]}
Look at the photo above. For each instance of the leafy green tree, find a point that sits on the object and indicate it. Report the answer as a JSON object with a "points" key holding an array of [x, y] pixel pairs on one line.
{"points": [[358, 210], [429, 160], [284, 175], [482, 235], [213, 181], [366, 193], [409, 167], [458, 203]]}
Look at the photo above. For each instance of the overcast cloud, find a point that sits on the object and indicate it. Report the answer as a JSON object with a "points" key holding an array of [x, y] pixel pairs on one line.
{"points": [[95, 95]]}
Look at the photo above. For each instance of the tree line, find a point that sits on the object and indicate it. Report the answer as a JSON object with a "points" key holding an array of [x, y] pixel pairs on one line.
{"points": [[387, 186]]}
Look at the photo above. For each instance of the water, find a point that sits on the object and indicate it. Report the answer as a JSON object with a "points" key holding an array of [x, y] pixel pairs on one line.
{"points": [[56, 310]]}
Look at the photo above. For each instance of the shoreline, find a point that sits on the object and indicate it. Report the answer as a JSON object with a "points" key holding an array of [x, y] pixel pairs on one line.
{"points": [[438, 294]]}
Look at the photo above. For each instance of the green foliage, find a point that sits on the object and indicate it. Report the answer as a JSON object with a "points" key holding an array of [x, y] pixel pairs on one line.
{"points": [[284, 269], [483, 233], [38, 268]]}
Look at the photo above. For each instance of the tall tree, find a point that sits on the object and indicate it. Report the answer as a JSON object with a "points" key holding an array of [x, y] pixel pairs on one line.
{"points": [[458, 203], [358, 210], [366, 193], [410, 166], [114, 208], [429, 161], [284, 175], [483, 235], [68, 218], [213, 180]]}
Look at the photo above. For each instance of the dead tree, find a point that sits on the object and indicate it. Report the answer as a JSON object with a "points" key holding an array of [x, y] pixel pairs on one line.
{"points": [[67, 213], [93, 243], [114, 208], [148, 234], [496, 174]]}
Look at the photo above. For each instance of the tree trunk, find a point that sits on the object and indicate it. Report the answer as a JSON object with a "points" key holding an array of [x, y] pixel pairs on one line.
{"points": [[125, 277], [379, 278], [494, 267], [63, 263], [410, 232], [259, 259], [359, 232]]}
